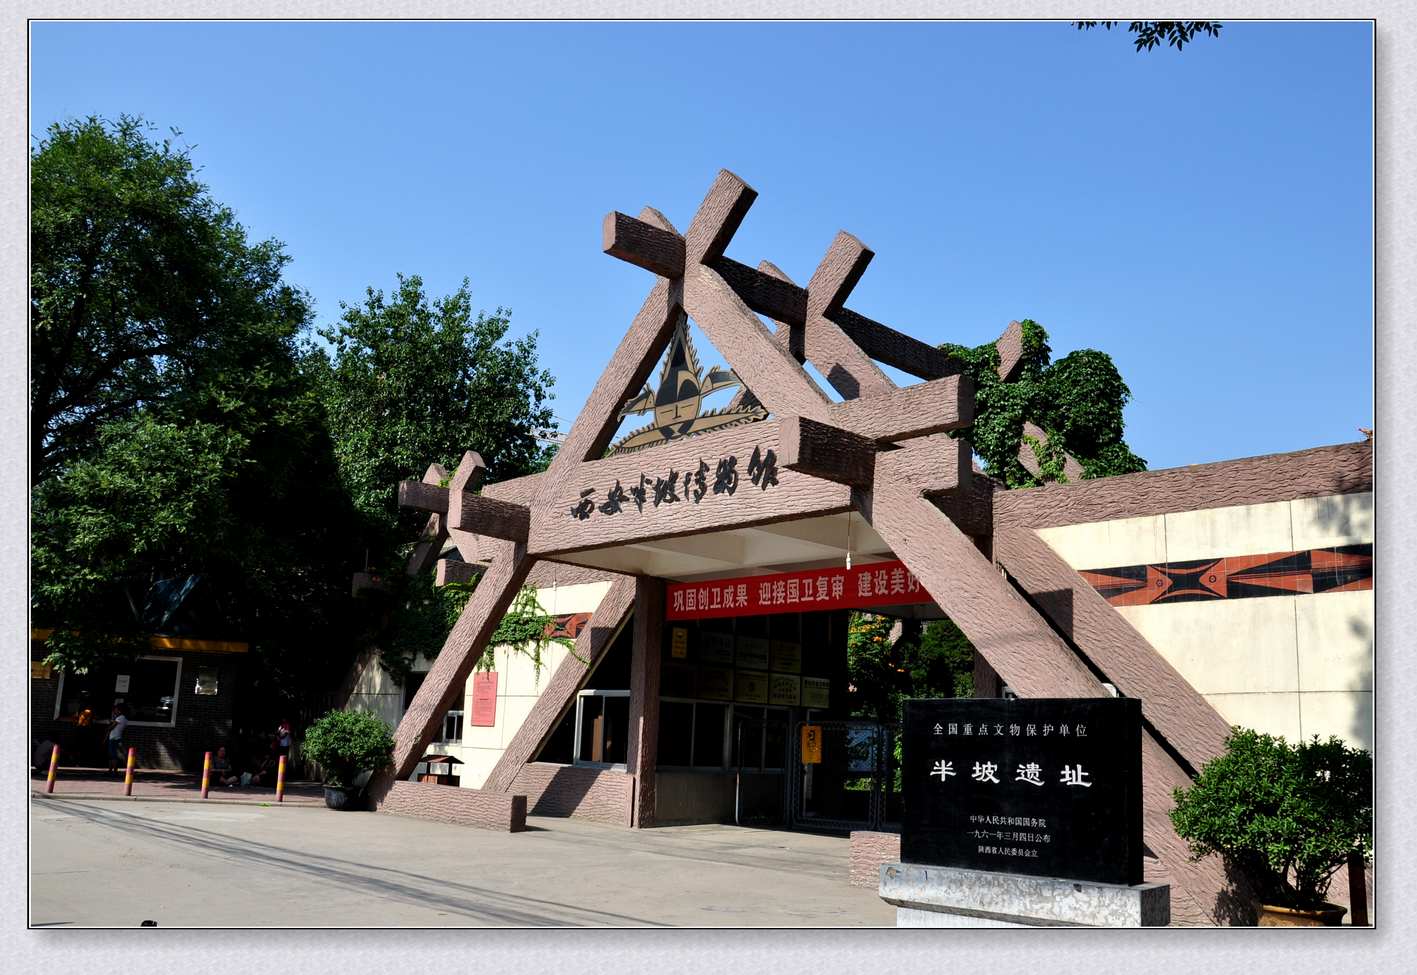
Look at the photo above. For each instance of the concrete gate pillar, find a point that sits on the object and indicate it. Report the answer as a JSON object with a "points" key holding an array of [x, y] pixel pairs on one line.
{"points": [[643, 744]]}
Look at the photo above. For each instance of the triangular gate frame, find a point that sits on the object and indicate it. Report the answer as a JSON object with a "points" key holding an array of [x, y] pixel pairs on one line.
{"points": [[883, 452]]}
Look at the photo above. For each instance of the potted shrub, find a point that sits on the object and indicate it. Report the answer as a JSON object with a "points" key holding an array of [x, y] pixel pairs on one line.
{"points": [[346, 744], [1285, 816]]}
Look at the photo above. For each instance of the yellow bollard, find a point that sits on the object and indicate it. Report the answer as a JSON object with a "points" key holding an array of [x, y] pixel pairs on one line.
{"points": [[53, 769], [128, 775], [206, 773], [280, 780]]}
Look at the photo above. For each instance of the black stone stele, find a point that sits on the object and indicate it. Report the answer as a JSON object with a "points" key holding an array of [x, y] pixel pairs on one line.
{"points": [[1052, 788]]}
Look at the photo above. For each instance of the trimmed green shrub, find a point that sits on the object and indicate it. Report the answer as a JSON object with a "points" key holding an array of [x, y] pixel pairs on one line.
{"points": [[1286, 816], [346, 743]]}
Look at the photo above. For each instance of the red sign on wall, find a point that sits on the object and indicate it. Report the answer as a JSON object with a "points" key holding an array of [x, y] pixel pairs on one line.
{"points": [[862, 586], [484, 699]]}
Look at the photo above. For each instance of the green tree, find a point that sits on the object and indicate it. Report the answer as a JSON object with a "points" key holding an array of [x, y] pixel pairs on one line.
{"points": [[411, 382], [1287, 816], [930, 660], [1077, 401], [1147, 34], [146, 503], [176, 425], [406, 382], [144, 290]]}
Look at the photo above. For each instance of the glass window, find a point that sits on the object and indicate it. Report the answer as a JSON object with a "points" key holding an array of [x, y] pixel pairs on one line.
{"points": [[81, 692], [709, 722], [592, 744], [604, 727], [452, 726], [207, 683], [676, 733], [617, 729], [747, 737], [152, 689]]}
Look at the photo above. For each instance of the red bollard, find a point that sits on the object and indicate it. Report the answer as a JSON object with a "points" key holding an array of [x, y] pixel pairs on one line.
{"points": [[206, 773], [53, 769], [280, 780], [128, 775]]}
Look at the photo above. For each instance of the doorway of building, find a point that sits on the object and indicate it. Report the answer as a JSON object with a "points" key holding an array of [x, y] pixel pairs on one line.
{"points": [[843, 776], [760, 761]]}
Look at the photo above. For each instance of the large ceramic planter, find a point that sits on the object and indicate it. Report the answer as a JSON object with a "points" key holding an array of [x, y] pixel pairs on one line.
{"points": [[1328, 916], [344, 799]]}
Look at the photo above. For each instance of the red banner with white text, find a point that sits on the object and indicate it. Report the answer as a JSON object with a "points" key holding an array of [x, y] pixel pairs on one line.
{"points": [[860, 587]]}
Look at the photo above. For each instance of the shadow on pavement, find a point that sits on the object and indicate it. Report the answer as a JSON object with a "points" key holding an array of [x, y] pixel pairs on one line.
{"points": [[506, 909]]}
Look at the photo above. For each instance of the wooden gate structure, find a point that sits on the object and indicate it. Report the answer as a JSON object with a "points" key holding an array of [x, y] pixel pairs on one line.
{"points": [[883, 452]]}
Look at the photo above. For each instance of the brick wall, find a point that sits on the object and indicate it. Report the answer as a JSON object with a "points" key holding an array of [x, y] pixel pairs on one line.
{"points": [[868, 851], [451, 804], [602, 795], [203, 722]]}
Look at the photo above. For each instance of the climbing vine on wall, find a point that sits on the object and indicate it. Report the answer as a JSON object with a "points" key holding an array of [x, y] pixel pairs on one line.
{"points": [[428, 613], [1077, 401]]}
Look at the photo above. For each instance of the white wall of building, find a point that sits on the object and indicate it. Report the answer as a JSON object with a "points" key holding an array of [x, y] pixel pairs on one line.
{"points": [[377, 692], [1293, 665], [519, 685]]}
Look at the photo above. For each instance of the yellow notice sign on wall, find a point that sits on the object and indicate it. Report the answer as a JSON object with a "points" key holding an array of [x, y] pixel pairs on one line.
{"points": [[811, 744], [679, 643]]}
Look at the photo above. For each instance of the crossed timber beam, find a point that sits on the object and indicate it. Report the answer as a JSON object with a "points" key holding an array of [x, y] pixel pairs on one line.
{"points": [[662, 252], [468, 512], [435, 533], [467, 477], [884, 451]]}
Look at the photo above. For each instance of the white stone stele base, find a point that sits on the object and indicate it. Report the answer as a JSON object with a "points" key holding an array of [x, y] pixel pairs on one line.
{"points": [[950, 897]]}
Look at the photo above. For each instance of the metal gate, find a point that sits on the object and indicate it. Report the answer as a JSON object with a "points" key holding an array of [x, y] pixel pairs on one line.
{"points": [[850, 778], [760, 762]]}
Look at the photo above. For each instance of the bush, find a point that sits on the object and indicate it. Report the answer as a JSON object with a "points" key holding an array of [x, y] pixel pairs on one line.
{"points": [[1286, 816], [346, 743]]}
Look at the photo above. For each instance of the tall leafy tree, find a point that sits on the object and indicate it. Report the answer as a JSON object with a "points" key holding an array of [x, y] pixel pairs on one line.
{"points": [[408, 381], [145, 291], [177, 431], [412, 381]]}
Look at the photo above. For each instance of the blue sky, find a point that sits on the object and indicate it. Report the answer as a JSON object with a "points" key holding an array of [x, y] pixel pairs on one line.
{"points": [[1204, 217]]}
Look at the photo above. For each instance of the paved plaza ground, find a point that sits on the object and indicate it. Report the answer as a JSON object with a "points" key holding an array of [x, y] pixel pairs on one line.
{"points": [[117, 862]]}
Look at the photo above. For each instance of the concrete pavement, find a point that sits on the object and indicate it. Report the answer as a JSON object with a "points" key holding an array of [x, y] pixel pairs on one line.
{"points": [[117, 863]]}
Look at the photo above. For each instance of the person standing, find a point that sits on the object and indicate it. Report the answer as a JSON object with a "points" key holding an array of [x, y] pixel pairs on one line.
{"points": [[118, 726], [283, 738]]}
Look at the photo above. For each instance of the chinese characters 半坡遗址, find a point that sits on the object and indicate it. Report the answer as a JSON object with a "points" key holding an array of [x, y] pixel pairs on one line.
{"points": [[1073, 775]]}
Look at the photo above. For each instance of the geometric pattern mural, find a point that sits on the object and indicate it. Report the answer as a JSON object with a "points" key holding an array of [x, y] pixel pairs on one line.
{"points": [[1344, 568], [566, 625]]}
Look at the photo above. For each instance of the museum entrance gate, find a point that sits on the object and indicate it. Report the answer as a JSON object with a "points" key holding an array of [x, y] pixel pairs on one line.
{"points": [[844, 775]]}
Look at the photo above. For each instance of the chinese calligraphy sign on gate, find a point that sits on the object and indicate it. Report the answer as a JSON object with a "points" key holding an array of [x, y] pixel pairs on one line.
{"points": [[1045, 787], [689, 486]]}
